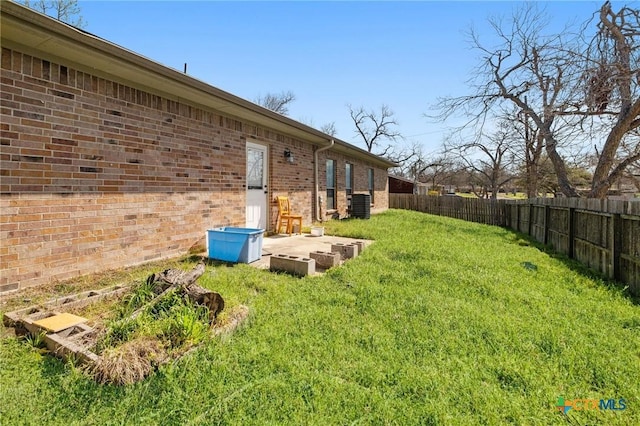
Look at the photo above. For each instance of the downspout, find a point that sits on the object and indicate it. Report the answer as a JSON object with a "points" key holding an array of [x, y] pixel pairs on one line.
{"points": [[315, 178]]}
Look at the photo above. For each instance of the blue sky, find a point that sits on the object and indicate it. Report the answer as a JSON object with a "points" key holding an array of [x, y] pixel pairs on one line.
{"points": [[329, 54]]}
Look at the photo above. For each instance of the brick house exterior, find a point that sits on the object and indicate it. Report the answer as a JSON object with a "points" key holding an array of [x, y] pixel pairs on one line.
{"points": [[109, 159]]}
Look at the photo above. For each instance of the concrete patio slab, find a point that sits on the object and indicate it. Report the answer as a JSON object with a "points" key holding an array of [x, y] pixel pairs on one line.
{"points": [[299, 245]]}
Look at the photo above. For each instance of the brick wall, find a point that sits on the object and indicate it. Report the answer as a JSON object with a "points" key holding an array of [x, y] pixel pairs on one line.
{"points": [[294, 180], [95, 174], [380, 200]]}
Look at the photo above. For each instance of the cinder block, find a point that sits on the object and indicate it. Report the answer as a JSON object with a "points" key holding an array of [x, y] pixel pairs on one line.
{"points": [[292, 264], [65, 348], [324, 259], [361, 245], [346, 251], [9, 287]]}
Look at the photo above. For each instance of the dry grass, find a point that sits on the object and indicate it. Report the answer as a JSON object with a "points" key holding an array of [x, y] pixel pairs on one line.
{"points": [[135, 360], [129, 363]]}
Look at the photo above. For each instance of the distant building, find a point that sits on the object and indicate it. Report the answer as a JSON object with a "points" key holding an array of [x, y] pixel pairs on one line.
{"points": [[400, 185]]}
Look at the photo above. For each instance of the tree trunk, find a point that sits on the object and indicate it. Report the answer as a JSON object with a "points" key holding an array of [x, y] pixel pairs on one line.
{"points": [[532, 180], [560, 169], [494, 191], [615, 29], [203, 297], [605, 174], [169, 279]]}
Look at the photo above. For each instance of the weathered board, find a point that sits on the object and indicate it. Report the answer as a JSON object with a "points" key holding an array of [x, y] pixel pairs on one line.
{"points": [[59, 322]]}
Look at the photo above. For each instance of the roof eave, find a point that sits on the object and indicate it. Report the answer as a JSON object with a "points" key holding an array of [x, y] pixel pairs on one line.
{"points": [[35, 32]]}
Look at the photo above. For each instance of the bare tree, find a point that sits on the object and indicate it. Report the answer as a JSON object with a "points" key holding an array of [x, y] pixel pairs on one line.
{"points": [[528, 70], [544, 77], [578, 175], [375, 127], [533, 148], [547, 180], [526, 148], [411, 161], [435, 171], [613, 93], [277, 102], [67, 11], [487, 159], [329, 128], [632, 174]]}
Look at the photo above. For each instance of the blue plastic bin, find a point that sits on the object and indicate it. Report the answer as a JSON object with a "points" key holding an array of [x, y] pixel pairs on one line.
{"points": [[240, 245]]}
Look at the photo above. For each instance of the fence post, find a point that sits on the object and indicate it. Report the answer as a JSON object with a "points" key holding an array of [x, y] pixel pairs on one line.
{"points": [[507, 214], [531, 208], [547, 219], [572, 232], [616, 247]]}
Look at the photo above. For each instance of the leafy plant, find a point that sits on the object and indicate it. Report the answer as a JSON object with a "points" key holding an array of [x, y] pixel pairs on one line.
{"points": [[186, 325], [36, 340], [117, 332], [171, 318], [163, 306], [140, 295]]}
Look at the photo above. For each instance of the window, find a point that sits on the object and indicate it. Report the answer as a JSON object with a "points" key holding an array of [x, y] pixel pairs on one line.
{"points": [[348, 184], [331, 184], [370, 178], [255, 168]]}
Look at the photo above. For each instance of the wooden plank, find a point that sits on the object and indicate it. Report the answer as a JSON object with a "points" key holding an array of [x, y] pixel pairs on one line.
{"points": [[593, 256], [59, 322], [630, 258], [572, 233], [616, 245]]}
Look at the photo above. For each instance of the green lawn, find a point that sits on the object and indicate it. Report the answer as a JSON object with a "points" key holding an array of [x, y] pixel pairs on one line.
{"points": [[438, 322]]}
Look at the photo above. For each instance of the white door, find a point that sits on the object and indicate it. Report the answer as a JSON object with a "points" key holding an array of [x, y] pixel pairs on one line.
{"points": [[257, 190]]}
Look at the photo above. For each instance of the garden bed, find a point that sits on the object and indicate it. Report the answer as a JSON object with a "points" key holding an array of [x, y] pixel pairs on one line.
{"points": [[122, 334]]}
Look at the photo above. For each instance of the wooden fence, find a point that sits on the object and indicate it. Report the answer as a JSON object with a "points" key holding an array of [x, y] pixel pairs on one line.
{"points": [[602, 234]]}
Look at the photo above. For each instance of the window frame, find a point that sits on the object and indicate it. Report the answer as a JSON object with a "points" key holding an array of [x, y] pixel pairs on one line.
{"points": [[348, 179], [371, 183], [331, 189]]}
